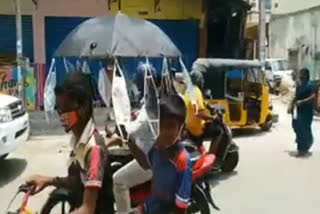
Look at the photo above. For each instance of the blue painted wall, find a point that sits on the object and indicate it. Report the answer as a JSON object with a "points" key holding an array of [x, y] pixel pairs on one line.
{"points": [[8, 35]]}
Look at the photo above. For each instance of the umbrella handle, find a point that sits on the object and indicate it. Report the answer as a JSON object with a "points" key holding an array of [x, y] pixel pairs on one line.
{"points": [[93, 46]]}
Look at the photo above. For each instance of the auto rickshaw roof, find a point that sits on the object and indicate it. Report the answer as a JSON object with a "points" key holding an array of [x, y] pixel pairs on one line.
{"points": [[202, 64]]}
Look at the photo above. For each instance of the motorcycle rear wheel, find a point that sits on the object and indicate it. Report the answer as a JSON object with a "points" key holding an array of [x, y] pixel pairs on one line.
{"points": [[231, 162]]}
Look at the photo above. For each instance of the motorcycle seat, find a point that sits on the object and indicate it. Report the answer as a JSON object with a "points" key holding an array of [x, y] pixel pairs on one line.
{"points": [[195, 157]]}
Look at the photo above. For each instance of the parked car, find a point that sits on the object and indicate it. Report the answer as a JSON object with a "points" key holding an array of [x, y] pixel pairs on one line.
{"points": [[275, 70], [14, 124]]}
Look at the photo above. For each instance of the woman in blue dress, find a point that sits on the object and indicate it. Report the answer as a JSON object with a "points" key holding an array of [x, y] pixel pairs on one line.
{"points": [[303, 104]]}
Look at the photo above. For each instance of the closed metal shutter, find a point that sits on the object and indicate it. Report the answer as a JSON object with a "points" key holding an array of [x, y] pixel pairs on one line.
{"points": [[56, 29], [8, 35]]}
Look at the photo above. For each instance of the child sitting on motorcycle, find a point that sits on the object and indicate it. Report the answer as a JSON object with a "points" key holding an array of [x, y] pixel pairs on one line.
{"points": [[199, 123], [169, 162], [88, 159]]}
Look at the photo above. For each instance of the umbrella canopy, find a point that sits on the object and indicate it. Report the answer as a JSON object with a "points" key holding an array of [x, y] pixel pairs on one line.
{"points": [[118, 35]]}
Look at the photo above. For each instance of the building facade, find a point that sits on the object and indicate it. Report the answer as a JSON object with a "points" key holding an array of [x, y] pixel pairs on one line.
{"points": [[252, 34], [289, 6], [45, 23], [179, 19], [296, 36], [8, 29], [159, 9], [202, 28], [253, 14], [197, 27]]}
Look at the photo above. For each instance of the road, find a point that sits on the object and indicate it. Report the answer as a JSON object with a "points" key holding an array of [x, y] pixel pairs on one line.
{"points": [[268, 179]]}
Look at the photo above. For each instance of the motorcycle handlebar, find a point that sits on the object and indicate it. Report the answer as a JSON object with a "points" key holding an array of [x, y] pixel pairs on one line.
{"points": [[26, 188], [213, 110]]}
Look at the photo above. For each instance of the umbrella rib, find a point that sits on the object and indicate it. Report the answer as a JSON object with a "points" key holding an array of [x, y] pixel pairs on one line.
{"points": [[114, 32], [125, 38]]}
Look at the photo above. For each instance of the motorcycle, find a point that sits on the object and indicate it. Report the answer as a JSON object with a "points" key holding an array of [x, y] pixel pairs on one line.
{"points": [[200, 200], [227, 152]]}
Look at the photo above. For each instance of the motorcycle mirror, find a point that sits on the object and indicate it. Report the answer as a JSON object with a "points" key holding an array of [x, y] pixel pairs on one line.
{"points": [[207, 94], [223, 111]]}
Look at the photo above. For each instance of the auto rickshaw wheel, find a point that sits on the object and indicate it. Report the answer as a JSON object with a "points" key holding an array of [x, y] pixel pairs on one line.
{"points": [[266, 126], [231, 162]]}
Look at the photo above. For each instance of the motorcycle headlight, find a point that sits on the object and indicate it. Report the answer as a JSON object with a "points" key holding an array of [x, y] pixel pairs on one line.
{"points": [[5, 115]]}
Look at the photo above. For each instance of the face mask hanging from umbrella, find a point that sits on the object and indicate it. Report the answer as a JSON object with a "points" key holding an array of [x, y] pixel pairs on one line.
{"points": [[68, 66], [104, 88], [49, 95], [121, 102]]}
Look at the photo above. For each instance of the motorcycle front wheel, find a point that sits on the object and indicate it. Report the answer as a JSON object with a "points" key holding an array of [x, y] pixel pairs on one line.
{"points": [[58, 203], [198, 204]]}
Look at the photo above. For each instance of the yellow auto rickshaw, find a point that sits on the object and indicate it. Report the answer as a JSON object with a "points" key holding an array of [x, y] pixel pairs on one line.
{"points": [[237, 88]]}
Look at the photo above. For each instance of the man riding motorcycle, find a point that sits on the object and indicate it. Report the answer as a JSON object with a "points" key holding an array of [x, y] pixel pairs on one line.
{"points": [[88, 159], [199, 123]]}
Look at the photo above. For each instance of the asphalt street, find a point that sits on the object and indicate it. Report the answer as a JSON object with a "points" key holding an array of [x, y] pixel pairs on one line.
{"points": [[268, 179]]}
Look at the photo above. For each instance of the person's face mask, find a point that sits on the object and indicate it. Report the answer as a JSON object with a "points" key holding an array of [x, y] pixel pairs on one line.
{"points": [[69, 119], [179, 135]]}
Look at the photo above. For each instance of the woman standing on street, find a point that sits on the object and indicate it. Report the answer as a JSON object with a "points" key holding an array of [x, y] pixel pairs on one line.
{"points": [[303, 108]]}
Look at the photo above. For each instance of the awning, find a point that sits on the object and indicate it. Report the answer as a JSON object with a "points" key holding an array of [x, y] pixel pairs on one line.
{"points": [[7, 7], [7, 59], [252, 30]]}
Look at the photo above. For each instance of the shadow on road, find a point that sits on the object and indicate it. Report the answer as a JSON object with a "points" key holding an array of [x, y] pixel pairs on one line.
{"points": [[245, 133], [11, 169], [216, 177], [295, 154]]}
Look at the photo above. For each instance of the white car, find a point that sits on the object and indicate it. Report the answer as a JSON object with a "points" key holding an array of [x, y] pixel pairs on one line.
{"points": [[276, 69], [14, 124]]}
